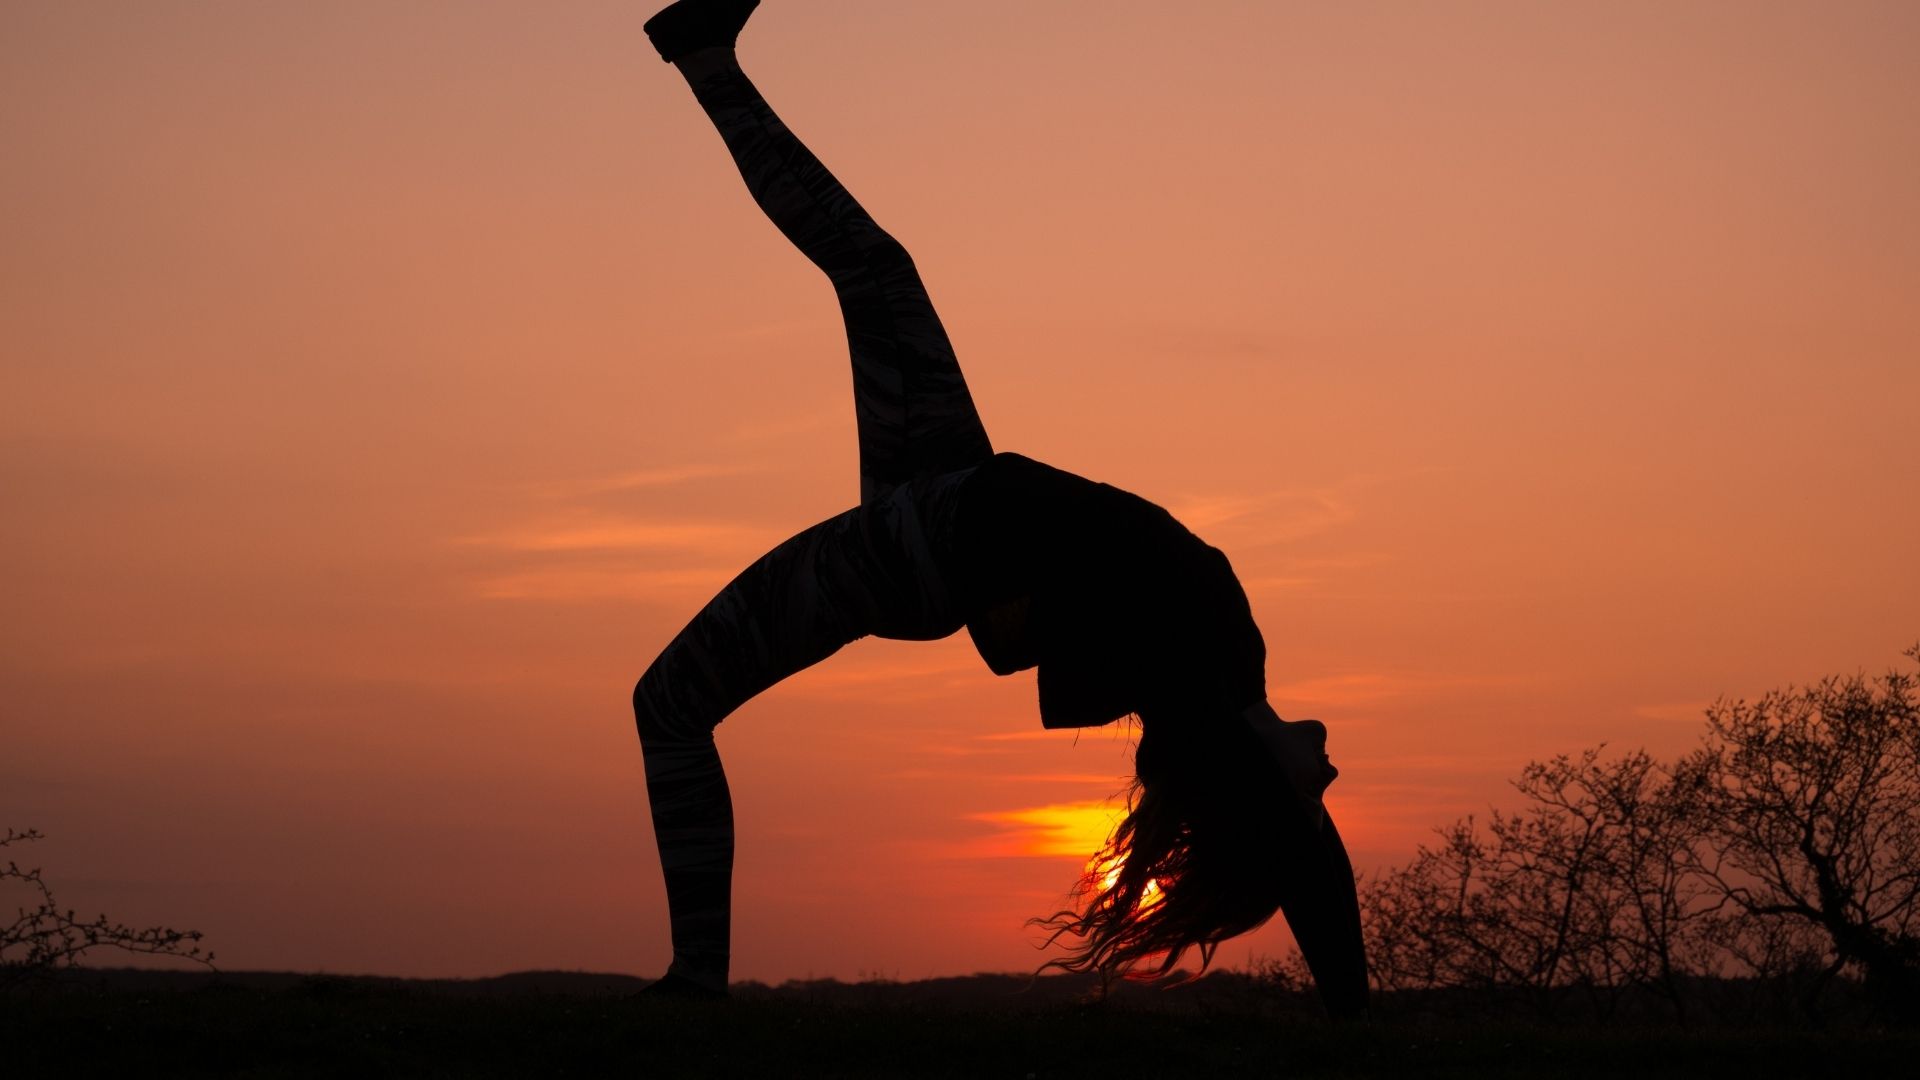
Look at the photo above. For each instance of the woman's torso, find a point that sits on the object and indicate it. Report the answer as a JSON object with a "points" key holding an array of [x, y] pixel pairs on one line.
{"points": [[1113, 599]]}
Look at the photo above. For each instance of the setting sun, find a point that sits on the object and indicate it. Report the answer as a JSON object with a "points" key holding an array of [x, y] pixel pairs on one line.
{"points": [[1107, 872]]}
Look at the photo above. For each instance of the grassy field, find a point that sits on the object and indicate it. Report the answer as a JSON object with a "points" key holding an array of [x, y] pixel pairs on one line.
{"points": [[141, 1025]]}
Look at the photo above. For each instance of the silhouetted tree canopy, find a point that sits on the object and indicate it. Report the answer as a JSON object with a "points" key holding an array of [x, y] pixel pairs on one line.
{"points": [[1782, 854]]}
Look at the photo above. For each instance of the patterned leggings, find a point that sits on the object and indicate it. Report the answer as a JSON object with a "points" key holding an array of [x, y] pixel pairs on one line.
{"points": [[879, 568]]}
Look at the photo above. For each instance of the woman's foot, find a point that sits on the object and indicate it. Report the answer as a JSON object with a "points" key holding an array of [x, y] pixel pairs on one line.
{"points": [[671, 985], [691, 25]]}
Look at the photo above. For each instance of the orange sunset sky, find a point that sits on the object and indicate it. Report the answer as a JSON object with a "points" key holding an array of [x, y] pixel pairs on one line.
{"points": [[383, 384]]}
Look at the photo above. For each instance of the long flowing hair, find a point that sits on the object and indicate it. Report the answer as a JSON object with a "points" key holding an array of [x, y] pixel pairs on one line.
{"points": [[1197, 859]]}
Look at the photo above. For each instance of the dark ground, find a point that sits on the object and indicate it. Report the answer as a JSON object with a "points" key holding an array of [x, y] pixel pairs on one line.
{"points": [[128, 1023]]}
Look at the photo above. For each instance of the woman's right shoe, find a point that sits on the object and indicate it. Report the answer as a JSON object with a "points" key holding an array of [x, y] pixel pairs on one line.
{"points": [[691, 25], [679, 986]]}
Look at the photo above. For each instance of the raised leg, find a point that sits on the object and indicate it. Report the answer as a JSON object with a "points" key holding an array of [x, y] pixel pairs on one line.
{"points": [[915, 415], [871, 570]]}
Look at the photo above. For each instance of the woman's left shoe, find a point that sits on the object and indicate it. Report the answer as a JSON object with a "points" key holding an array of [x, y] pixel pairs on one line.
{"points": [[691, 25]]}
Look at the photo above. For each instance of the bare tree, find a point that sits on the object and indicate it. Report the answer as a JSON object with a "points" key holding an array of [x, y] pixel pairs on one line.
{"points": [[1441, 920], [1620, 838], [1810, 801], [43, 937], [1584, 889]]}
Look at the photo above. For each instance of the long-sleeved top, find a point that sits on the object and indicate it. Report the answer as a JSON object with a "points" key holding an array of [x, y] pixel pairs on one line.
{"points": [[1117, 603]]}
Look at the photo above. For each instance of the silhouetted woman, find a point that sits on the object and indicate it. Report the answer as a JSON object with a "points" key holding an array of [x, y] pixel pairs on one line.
{"points": [[1121, 608]]}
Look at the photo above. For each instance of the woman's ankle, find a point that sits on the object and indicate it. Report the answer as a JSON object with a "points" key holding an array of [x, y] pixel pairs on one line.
{"points": [[714, 59], [705, 973]]}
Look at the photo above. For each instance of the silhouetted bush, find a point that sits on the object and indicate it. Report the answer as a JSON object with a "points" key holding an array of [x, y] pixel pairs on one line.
{"points": [[1775, 870], [1810, 801], [43, 937]]}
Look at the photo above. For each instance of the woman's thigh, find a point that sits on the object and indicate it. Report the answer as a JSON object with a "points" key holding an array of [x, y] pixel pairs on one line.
{"points": [[870, 570]]}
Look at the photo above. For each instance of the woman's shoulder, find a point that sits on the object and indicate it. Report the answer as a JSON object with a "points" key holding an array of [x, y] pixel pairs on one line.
{"points": [[1016, 483], [1007, 468]]}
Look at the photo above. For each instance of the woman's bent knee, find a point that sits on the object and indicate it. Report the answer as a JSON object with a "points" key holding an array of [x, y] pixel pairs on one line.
{"points": [[654, 722]]}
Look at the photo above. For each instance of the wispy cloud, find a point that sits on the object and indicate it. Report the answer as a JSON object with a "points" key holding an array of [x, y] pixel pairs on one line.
{"points": [[1372, 687], [1077, 829], [1286, 514], [581, 552], [623, 534], [638, 479], [894, 681], [594, 583], [1278, 515]]}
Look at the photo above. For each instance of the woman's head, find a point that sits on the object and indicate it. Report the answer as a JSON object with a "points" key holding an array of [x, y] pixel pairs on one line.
{"points": [[1200, 856]]}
